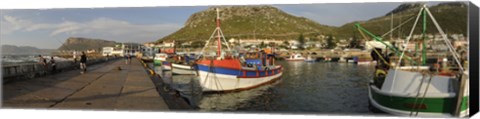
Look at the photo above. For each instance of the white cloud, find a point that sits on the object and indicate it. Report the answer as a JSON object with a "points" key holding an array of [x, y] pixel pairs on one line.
{"points": [[107, 28], [10, 24]]}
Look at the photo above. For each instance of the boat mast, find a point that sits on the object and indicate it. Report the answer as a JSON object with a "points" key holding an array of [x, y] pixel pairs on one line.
{"points": [[424, 36], [391, 25], [219, 42]]}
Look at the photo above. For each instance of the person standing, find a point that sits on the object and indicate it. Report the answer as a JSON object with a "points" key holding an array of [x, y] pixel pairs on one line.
{"points": [[54, 65], [130, 59], [42, 61], [74, 56], [107, 57], [83, 61]]}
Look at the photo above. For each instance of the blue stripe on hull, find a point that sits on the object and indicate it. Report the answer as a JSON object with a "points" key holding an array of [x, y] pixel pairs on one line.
{"points": [[219, 70], [227, 71]]}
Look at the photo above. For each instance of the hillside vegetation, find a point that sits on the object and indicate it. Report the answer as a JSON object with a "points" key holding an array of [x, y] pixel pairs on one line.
{"points": [[266, 22]]}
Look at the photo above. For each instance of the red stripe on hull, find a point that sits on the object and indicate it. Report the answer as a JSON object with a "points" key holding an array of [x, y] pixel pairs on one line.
{"points": [[228, 63]]}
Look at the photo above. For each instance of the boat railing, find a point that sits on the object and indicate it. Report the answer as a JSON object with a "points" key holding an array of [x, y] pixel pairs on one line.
{"points": [[432, 95]]}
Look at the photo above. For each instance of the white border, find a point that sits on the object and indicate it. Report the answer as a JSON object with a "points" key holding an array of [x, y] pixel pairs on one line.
{"points": [[48, 4]]}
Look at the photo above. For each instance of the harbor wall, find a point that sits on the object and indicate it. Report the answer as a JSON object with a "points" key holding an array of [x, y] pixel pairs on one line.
{"points": [[32, 70]]}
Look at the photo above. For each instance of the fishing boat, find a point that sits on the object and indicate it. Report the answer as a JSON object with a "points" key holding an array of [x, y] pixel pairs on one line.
{"points": [[147, 54], [146, 58], [183, 66], [159, 58], [296, 57], [166, 65], [224, 72], [182, 63], [419, 89]]}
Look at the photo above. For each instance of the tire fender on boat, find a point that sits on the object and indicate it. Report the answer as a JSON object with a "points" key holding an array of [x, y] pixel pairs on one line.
{"points": [[379, 72]]}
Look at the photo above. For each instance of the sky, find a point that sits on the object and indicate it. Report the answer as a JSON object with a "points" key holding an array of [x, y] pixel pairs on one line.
{"points": [[49, 28]]}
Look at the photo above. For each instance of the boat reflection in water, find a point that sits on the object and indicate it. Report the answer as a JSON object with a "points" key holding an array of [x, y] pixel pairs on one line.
{"points": [[320, 88]]}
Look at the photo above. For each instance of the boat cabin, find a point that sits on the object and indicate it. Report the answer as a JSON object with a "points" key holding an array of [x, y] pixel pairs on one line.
{"points": [[258, 59]]}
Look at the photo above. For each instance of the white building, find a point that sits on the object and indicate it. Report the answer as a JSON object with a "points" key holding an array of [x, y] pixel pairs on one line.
{"points": [[107, 51]]}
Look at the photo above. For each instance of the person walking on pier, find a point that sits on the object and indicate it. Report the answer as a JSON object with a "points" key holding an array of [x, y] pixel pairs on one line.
{"points": [[83, 61], [126, 56], [54, 66]]}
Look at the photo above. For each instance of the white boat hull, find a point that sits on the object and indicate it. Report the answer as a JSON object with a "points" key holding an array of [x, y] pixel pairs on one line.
{"points": [[220, 82], [366, 62], [183, 71], [179, 66]]}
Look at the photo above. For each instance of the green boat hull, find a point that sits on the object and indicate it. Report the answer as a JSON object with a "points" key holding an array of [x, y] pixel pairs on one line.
{"points": [[430, 106], [157, 62]]}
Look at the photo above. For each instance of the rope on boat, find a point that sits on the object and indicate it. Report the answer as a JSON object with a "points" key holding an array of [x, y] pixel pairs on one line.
{"points": [[426, 89], [217, 83], [208, 73], [418, 95], [424, 93]]}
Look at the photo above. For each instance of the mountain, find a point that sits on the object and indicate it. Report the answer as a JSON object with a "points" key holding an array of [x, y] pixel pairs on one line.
{"points": [[452, 17], [24, 50], [270, 22], [248, 22], [81, 44]]}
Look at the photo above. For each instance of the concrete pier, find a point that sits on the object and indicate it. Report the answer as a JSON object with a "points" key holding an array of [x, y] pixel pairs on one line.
{"points": [[103, 87]]}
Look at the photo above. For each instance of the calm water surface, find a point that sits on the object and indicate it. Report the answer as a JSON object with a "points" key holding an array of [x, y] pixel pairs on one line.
{"points": [[319, 88]]}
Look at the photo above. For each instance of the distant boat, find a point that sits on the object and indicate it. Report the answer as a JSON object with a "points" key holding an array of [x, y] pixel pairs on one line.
{"points": [[225, 72], [327, 59], [342, 60], [362, 61], [310, 59], [366, 62], [296, 57]]}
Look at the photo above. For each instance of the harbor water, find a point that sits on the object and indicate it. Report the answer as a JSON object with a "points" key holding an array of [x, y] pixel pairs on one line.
{"points": [[317, 88]]}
